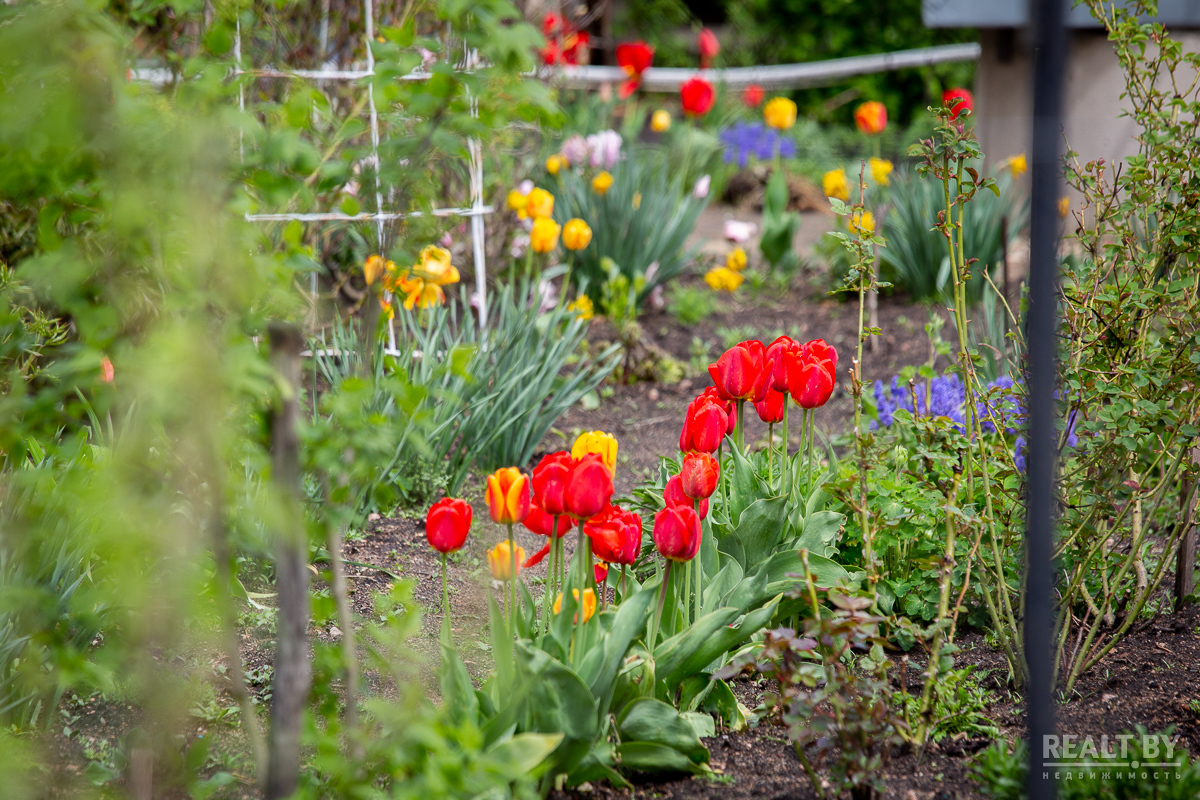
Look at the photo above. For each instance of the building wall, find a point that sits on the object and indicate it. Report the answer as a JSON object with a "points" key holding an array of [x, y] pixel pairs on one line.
{"points": [[1095, 125]]}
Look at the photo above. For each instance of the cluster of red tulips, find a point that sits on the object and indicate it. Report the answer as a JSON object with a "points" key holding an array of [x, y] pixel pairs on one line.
{"points": [[577, 486]]}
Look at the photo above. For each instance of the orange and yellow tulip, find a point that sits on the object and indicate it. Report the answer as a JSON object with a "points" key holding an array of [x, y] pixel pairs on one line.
{"points": [[508, 496]]}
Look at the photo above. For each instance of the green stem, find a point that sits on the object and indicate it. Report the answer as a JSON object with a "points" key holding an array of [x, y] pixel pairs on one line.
{"points": [[662, 598], [783, 448], [687, 591], [445, 595], [770, 453], [739, 431], [512, 587]]}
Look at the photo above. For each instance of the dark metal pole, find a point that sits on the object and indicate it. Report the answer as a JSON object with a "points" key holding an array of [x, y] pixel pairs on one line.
{"points": [[1041, 330]]}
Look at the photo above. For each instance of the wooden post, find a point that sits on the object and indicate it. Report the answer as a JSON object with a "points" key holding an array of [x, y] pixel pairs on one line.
{"points": [[293, 672], [1185, 557]]}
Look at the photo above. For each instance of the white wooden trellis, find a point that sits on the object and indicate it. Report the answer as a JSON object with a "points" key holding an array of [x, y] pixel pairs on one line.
{"points": [[474, 212]]}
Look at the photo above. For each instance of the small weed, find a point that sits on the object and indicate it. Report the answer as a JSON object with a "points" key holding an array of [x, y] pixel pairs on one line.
{"points": [[690, 304], [699, 356]]}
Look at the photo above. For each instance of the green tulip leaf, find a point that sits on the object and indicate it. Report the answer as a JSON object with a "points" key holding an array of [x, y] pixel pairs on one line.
{"points": [[821, 531], [524, 753], [457, 691], [653, 721], [761, 529], [724, 703], [702, 724]]}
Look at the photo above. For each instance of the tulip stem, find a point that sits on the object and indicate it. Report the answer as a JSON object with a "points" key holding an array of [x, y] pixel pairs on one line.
{"points": [[622, 582], [770, 453], [662, 598], [783, 449], [551, 573], [700, 567], [687, 594], [445, 595], [512, 584], [739, 432]]}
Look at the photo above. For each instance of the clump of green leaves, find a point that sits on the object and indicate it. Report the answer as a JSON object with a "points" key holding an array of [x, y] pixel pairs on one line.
{"points": [[691, 304]]}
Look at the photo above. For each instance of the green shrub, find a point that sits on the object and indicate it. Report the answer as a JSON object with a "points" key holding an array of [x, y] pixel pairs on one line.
{"points": [[691, 304]]}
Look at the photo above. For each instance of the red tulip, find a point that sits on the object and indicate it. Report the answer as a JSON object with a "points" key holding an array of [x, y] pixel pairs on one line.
{"points": [[753, 95], [770, 408], [725, 403], [696, 96], [589, 487], [959, 100], [447, 524], [600, 570], [741, 372], [677, 533], [709, 47], [508, 495], [871, 117], [552, 24], [616, 535], [775, 358], [673, 495], [551, 54], [540, 522], [811, 374], [698, 475], [577, 45], [550, 482], [704, 425], [635, 58]]}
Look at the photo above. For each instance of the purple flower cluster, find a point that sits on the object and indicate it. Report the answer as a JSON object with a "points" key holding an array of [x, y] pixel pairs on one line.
{"points": [[746, 140], [948, 399]]}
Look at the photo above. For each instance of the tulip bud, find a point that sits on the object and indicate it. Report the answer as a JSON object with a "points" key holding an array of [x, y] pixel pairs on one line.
{"points": [[673, 495], [447, 524], [539, 522], [770, 408], [508, 495], [741, 372], [616, 535], [589, 487], [677, 533], [500, 560], [698, 475], [704, 425], [600, 443], [550, 482]]}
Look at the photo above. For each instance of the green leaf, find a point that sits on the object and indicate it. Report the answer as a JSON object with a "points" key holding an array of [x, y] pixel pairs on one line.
{"points": [[821, 532], [650, 720], [702, 724], [653, 757], [760, 530], [523, 753], [457, 692]]}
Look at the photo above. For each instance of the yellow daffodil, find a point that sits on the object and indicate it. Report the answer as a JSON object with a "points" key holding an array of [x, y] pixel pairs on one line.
{"points": [[881, 170], [582, 306], [1064, 206], [660, 121], [544, 236], [1017, 165], [723, 278], [862, 222], [835, 184], [598, 442], [736, 260], [780, 113], [554, 164], [576, 234], [601, 183], [540, 203]]}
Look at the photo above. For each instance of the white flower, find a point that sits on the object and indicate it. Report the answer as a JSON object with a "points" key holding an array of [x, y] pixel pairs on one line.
{"points": [[548, 294], [604, 148], [739, 231], [700, 191], [575, 150], [519, 244], [656, 298], [525, 186]]}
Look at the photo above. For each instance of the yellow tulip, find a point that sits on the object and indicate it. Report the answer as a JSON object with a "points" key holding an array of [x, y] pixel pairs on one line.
{"points": [[736, 260], [601, 183], [723, 278], [582, 306], [589, 603], [835, 185], [780, 113], [373, 269], [576, 234], [660, 121], [554, 164], [544, 236], [598, 442], [881, 169], [501, 560], [1017, 165], [422, 284], [1064, 206], [540, 203]]}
